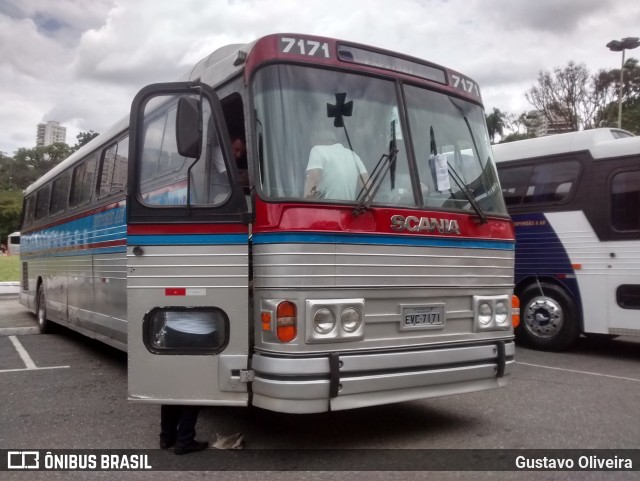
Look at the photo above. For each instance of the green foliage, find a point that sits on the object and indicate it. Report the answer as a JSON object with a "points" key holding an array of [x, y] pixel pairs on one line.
{"points": [[9, 268], [84, 138], [10, 212], [495, 124]]}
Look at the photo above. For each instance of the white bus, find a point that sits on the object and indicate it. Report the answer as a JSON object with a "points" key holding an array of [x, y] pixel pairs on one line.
{"points": [[13, 244], [575, 202], [231, 294]]}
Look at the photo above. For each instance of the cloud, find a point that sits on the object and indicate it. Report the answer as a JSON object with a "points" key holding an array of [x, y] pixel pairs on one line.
{"points": [[82, 62]]}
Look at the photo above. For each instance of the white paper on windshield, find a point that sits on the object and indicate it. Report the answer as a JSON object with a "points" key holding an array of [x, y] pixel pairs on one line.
{"points": [[442, 173]]}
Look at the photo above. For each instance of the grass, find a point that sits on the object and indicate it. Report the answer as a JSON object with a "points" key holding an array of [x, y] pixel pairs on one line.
{"points": [[9, 268]]}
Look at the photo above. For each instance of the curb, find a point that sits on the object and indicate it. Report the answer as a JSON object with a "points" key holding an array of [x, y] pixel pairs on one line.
{"points": [[18, 331]]}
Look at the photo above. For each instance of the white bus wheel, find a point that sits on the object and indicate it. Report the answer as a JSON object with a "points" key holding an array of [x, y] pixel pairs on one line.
{"points": [[548, 317]]}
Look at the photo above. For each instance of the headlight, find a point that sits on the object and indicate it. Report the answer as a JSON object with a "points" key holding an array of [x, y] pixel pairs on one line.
{"points": [[502, 313], [324, 321], [334, 320], [485, 313], [350, 320], [491, 313]]}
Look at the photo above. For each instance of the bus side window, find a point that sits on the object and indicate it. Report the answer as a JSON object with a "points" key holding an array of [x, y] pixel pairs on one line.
{"points": [[81, 182], [60, 194], [29, 205], [42, 202], [514, 181], [552, 183], [113, 172], [625, 199]]}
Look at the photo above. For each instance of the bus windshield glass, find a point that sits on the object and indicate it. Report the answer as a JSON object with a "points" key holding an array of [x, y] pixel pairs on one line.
{"points": [[322, 135], [453, 152]]}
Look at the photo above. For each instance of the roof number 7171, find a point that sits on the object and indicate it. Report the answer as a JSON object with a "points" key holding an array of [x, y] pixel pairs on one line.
{"points": [[300, 46], [465, 84]]}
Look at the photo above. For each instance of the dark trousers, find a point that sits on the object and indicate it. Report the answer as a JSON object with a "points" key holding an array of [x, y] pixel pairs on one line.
{"points": [[178, 423]]}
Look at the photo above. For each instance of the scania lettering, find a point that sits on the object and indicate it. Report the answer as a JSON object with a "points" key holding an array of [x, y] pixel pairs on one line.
{"points": [[231, 282], [425, 224]]}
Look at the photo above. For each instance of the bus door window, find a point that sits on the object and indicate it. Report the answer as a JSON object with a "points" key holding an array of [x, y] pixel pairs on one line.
{"points": [[166, 178]]}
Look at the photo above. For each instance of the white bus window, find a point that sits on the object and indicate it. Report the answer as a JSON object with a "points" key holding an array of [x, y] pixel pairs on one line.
{"points": [[552, 183], [514, 182], [625, 201]]}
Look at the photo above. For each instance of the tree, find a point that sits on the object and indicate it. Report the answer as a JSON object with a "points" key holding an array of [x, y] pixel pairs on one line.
{"points": [[495, 124], [10, 212], [84, 138], [29, 164], [610, 81], [567, 96]]}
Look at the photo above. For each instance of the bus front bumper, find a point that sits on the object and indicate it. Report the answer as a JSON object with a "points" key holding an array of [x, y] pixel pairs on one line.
{"points": [[339, 381]]}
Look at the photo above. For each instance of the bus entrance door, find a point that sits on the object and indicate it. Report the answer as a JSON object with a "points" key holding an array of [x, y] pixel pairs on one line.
{"points": [[187, 252]]}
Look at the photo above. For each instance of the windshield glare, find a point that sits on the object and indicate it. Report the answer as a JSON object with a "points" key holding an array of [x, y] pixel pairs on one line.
{"points": [[321, 134]]}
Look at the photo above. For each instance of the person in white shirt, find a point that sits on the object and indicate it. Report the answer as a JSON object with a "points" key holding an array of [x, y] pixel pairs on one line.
{"points": [[334, 172]]}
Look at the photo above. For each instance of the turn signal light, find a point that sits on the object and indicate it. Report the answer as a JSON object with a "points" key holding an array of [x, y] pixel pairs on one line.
{"points": [[265, 317], [286, 321], [515, 311]]}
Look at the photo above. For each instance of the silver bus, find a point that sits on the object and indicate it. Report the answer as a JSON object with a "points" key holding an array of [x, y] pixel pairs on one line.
{"points": [[233, 284], [575, 202]]}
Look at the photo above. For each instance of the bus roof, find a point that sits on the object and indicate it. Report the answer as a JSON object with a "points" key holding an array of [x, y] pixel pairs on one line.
{"points": [[601, 143]]}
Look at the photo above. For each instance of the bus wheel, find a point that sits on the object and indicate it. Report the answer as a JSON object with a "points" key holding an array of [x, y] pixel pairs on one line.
{"points": [[41, 312], [548, 318]]}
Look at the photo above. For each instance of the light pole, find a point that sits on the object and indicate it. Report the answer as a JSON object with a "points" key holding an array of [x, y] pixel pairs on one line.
{"points": [[627, 43]]}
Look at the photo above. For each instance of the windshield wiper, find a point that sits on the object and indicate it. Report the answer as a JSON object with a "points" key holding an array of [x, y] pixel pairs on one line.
{"points": [[467, 193], [459, 182], [371, 187]]}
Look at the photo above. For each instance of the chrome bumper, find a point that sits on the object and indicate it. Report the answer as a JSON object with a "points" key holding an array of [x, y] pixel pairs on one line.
{"points": [[340, 381]]}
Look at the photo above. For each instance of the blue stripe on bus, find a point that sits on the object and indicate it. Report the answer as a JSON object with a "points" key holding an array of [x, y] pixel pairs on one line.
{"points": [[188, 239], [377, 239]]}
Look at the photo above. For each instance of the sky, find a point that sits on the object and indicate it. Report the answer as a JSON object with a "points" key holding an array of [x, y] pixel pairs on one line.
{"points": [[80, 62]]}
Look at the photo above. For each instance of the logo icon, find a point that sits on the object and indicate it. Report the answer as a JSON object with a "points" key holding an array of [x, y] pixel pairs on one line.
{"points": [[23, 460]]}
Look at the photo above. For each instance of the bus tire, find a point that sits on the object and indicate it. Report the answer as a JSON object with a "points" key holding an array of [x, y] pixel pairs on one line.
{"points": [[41, 312], [548, 318]]}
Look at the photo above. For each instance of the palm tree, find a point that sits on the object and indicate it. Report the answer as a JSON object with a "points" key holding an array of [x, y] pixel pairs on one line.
{"points": [[495, 124]]}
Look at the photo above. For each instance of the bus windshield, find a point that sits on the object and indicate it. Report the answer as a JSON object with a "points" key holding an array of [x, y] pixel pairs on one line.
{"points": [[347, 127]]}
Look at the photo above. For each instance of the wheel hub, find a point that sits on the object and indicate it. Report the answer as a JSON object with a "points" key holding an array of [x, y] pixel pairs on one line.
{"points": [[543, 317]]}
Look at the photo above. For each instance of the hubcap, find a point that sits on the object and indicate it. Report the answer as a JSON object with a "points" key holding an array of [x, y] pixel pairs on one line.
{"points": [[543, 317]]}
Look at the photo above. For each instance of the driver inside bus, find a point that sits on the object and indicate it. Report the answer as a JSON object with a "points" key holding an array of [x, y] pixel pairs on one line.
{"points": [[333, 171], [220, 181]]}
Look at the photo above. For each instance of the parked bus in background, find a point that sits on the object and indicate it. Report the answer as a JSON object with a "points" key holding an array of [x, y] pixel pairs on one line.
{"points": [[575, 202], [13, 244], [305, 290]]}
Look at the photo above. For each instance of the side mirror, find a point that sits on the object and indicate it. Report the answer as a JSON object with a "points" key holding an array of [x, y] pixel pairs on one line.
{"points": [[189, 128]]}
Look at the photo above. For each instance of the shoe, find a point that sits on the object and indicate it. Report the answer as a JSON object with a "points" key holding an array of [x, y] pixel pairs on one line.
{"points": [[166, 444], [192, 447]]}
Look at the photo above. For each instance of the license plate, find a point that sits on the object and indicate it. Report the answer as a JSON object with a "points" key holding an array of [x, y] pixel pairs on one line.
{"points": [[422, 317]]}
